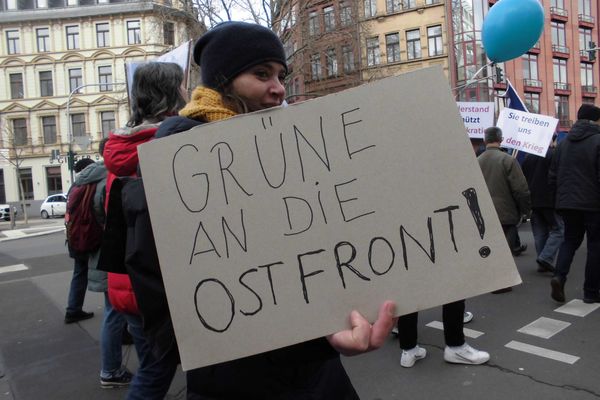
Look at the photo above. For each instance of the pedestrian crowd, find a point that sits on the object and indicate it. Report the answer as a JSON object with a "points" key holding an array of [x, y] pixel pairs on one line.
{"points": [[243, 67]]}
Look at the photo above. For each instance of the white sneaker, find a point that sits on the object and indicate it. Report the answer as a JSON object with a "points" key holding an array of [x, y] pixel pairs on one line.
{"points": [[465, 354], [467, 317], [409, 357], [395, 330]]}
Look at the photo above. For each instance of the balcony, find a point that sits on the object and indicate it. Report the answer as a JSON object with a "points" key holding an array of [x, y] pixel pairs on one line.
{"points": [[560, 51], [562, 86], [589, 90], [559, 14], [532, 85], [535, 49], [587, 21]]}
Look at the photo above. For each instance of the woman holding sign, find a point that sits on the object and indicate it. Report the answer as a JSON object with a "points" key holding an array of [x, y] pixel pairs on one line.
{"points": [[243, 69]]}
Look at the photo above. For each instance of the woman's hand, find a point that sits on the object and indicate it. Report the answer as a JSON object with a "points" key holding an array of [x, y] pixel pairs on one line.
{"points": [[363, 336]]}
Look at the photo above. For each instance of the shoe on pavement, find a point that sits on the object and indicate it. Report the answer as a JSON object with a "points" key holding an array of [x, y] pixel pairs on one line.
{"points": [[77, 316], [120, 378], [591, 299], [409, 357], [544, 266], [519, 250], [467, 317], [395, 330], [465, 354], [558, 289]]}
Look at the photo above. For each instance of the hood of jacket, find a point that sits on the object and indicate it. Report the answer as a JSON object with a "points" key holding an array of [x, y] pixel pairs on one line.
{"points": [[92, 173], [120, 153], [582, 129]]}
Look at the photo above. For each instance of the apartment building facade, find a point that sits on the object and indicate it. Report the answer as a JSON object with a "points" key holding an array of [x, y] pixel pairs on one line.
{"points": [[62, 74]]}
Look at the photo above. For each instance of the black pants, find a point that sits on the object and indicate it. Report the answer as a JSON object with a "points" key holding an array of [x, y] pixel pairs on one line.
{"points": [[452, 315], [512, 237]]}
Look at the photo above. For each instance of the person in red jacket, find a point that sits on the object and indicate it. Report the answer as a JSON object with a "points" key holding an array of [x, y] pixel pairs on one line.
{"points": [[156, 94]]}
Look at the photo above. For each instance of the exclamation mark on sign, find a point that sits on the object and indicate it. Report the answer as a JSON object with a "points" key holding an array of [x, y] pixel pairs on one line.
{"points": [[471, 196]]}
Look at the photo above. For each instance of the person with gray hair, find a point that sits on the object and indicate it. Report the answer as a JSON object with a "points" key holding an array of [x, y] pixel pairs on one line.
{"points": [[507, 186]]}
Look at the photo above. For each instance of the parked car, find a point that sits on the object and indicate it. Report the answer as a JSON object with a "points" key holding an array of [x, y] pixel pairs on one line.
{"points": [[5, 211], [54, 206]]}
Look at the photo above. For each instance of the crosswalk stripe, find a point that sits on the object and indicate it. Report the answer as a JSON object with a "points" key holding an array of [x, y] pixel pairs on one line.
{"points": [[577, 308], [544, 327], [542, 352], [13, 268], [473, 334]]}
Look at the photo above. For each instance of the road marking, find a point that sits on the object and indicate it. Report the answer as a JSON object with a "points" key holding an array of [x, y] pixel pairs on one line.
{"points": [[14, 233], [473, 334], [542, 352], [13, 268], [544, 327], [577, 308]]}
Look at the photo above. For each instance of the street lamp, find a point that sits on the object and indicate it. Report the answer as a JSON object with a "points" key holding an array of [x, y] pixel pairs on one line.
{"points": [[70, 156]]}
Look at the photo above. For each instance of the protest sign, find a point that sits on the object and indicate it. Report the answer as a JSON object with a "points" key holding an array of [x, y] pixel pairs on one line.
{"points": [[476, 116], [528, 132], [271, 227]]}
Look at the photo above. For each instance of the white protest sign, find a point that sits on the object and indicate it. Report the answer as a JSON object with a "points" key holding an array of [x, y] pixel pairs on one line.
{"points": [[528, 132], [271, 227], [476, 116]]}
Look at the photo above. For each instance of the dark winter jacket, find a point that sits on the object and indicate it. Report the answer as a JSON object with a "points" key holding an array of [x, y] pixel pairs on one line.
{"points": [[535, 169], [575, 169], [309, 370], [506, 184]]}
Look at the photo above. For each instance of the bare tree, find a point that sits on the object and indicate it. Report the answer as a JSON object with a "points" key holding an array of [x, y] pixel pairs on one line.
{"points": [[14, 158]]}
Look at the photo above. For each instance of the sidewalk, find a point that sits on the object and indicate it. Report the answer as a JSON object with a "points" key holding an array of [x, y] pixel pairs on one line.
{"points": [[34, 227]]}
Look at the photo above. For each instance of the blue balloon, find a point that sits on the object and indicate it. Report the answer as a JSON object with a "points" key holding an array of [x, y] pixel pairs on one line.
{"points": [[512, 27]]}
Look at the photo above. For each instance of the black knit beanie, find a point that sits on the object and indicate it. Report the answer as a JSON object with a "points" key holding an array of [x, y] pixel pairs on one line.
{"points": [[589, 112], [230, 48]]}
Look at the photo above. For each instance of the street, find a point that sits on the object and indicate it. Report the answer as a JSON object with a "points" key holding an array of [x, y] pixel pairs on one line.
{"points": [[539, 349]]}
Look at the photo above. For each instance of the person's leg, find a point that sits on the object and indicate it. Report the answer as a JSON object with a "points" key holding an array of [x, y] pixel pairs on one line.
{"points": [[555, 236], [110, 340], [539, 229], [452, 315], [77, 290], [573, 236], [407, 330], [591, 284], [153, 377]]}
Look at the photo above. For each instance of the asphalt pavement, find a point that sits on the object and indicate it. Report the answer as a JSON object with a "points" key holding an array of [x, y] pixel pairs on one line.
{"points": [[539, 349]]}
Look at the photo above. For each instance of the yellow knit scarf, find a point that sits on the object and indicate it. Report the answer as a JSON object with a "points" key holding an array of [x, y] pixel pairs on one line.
{"points": [[206, 105]]}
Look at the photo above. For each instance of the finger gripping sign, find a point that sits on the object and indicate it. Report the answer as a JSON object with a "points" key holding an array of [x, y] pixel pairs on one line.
{"points": [[272, 227]]}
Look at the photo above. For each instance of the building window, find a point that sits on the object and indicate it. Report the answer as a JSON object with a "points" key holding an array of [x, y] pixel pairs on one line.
{"points": [[532, 102], [413, 44], [49, 129], [559, 37], [46, 89], [345, 14], [72, 37], [315, 67], [102, 35], [557, 4], [53, 180], [12, 42], [329, 18], [332, 64], [348, 57], [585, 36], [587, 75], [16, 86], [11, 5], [561, 108], [585, 7], [72, 3], [107, 120], [560, 74], [370, 8], [169, 33], [27, 182], [78, 124], [373, 51], [75, 80], [41, 3], [434, 41], [134, 35], [392, 47], [393, 6], [19, 126], [105, 78], [43, 39], [313, 23], [530, 66]]}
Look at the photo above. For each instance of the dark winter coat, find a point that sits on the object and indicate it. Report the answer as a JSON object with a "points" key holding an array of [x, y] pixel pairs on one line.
{"points": [[535, 169], [575, 169], [506, 184]]}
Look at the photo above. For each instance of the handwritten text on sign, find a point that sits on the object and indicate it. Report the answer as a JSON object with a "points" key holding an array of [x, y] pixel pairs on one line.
{"points": [[282, 222]]}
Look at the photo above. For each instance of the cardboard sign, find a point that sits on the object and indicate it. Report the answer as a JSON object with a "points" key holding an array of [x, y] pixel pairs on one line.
{"points": [[476, 116], [272, 227], [528, 132]]}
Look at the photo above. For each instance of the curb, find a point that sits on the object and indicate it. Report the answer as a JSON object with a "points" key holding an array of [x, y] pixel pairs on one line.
{"points": [[26, 235]]}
